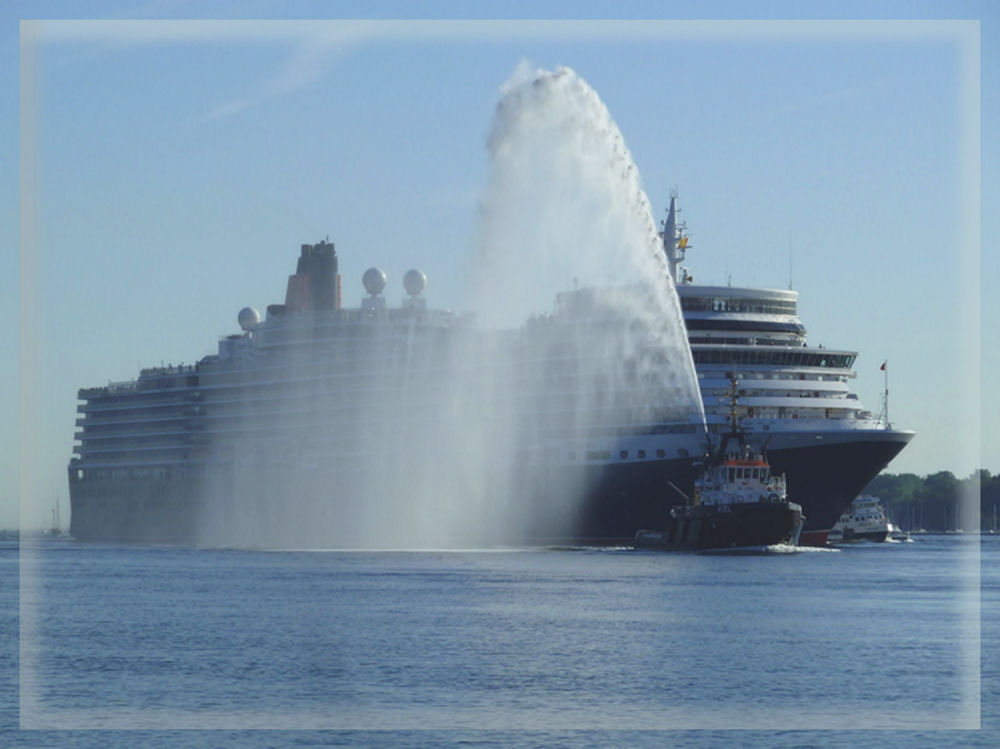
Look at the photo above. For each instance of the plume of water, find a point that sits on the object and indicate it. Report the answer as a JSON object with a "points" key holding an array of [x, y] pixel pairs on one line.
{"points": [[398, 428], [565, 204], [564, 217]]}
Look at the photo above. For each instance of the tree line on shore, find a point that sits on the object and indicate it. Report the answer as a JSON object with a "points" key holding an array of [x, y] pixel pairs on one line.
{"points": [[934, 502]]}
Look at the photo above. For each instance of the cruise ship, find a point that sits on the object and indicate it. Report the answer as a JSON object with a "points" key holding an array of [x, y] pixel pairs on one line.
{"points": [[319, 425], [794, 399]]}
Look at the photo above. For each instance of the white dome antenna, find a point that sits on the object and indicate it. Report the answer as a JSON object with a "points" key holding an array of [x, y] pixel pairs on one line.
{"points": [[248, 318], [374, 281]]}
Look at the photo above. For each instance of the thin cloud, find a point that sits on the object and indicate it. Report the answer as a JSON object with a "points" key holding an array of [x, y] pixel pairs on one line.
{"points": [[315, 46], [310, 61], [226, 109]]}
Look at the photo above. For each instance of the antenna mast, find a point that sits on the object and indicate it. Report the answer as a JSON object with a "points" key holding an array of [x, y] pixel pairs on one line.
{"points": [[675, 242], [884, 415]]}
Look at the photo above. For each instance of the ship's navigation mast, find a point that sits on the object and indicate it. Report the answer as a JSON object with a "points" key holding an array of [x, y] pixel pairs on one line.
{"points": [[883, 416], [733, 395], [675, 242]]}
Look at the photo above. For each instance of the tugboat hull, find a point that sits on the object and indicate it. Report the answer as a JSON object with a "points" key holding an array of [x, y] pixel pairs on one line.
{"points": [[725, 527]]}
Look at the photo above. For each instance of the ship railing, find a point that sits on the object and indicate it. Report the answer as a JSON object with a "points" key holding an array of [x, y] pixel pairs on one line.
{"points": [[169, 369], [309, 320], [112, 387]]}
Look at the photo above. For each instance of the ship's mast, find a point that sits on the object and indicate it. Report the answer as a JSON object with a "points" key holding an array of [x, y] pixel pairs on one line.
{"points": [[884, 416], [734, 394], [675, 243], [669, 235]]}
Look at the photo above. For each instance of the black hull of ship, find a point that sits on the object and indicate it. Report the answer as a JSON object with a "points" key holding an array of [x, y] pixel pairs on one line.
{"points": [[825, 480], [736, 526], [624, 497], [135, 511], [822, 479]]}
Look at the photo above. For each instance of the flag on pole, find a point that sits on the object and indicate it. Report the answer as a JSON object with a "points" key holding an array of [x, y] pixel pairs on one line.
{"points": [[883, 365]]}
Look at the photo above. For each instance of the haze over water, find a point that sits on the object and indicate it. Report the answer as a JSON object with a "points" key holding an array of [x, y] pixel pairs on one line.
{"points": [[429, 431]]}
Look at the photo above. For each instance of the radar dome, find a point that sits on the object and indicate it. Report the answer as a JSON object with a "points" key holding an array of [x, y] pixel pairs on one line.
{"points": [[249, 318], [414, 282], [374, 280]]}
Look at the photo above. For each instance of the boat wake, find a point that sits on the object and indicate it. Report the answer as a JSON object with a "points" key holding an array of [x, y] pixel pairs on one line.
{"points": [[772, 549], [818, 549]]}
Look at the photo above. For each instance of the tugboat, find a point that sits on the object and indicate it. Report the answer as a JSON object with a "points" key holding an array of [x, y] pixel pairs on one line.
{"points": [[737, 503]]}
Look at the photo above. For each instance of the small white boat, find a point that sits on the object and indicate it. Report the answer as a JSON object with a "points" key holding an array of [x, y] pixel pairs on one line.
{"points": [[864, 520]]}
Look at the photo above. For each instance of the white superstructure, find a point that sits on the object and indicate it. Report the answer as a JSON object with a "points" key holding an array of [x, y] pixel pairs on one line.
{"points": [[793, 397]]}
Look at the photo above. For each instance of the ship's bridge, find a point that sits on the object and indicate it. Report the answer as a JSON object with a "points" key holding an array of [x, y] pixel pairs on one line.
{"points": [[821, 359], [722, 314], [744, 300]]}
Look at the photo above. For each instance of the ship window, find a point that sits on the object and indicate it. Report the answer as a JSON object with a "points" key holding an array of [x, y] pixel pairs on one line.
{"points": [[642, 453], [756, 473], [732, 472], [661, 454], [623, 454]]}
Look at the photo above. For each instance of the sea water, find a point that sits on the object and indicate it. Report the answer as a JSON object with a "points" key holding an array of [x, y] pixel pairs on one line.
{"points": [[538, 646]]}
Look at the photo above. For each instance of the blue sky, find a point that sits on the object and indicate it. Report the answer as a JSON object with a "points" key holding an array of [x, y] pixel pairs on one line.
{"points": [[179, 166]]}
